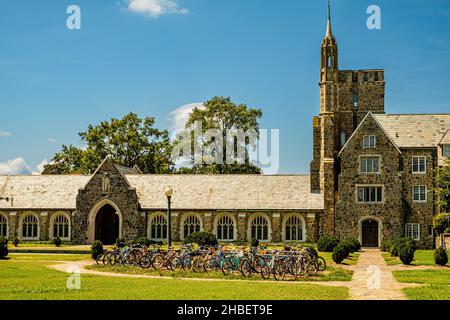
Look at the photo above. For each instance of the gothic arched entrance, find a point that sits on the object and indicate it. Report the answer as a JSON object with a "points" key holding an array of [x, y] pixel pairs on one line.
{"points": [[107, 225], [105, 222]]}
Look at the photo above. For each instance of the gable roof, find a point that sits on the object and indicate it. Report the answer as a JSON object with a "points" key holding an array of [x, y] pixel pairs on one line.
{"points": [[415, 130], [191, 192], [369, 115]]}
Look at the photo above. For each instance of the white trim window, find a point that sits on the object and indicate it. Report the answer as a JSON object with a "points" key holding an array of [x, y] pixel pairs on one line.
{"points": [[412, 231], [369, 142], [293, 229], [225, 229], [3, 226], [370, 194], [157, 227], [420, 194], [419, 164], [260, 229], [369, 164], [446, 150], [61, 227], [30, 227], [191, 225]]}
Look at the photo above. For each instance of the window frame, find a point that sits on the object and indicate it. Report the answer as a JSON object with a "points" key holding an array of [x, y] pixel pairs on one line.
{"points": [[420, 200], [418, 164], [225, 228], [38, 227], [446, 150], [155, 221], [376, 194], [369, 137], [60, 226], [361, 157], [4, 217], [412, 225]]}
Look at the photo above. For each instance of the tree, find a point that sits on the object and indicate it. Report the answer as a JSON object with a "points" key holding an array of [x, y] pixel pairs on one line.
{"points": [[443, 186], [230, 122], [130, 141]]}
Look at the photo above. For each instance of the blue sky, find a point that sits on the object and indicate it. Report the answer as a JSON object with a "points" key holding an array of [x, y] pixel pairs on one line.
{"points": [[265, 53]]}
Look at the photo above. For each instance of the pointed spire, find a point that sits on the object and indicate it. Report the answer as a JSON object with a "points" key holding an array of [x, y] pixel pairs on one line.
{"points": [[329, 31]]}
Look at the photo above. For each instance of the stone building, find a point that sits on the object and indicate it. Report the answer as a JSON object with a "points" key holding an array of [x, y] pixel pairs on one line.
{"points": [[371, 178]]}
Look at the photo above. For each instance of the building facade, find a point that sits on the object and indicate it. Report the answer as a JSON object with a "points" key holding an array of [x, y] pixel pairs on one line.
{"points": [[371, 178]]}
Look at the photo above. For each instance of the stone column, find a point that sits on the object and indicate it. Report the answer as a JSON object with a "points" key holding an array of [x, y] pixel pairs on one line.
{"points": [[242, 227], [208, 222], [176, 234], [276, 228], [43, 226], [13, 225]]}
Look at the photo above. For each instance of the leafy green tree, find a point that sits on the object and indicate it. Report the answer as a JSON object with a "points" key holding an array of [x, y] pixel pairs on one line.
{"points": [[443, 186], [130, 141], [225, 117]]}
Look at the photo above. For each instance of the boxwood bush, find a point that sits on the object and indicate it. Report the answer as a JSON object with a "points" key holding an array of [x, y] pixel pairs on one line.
{"points": [[202, 239], [340, 252], [57, 241], [327, 244], [96, 249], [353, 244], [440, 257], [386, 245], [3, 247]]}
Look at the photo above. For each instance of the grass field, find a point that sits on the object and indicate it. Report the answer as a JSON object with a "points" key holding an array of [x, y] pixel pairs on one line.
{"points": [[421, 258], [26, 276], [436, 283]]}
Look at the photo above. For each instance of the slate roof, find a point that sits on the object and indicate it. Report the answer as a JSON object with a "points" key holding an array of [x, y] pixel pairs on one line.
{"points": [[415, 130], [196, 192]]}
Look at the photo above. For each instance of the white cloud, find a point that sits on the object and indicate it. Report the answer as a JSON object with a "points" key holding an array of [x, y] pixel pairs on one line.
{"points": [[156, 8], [41, 166], [5, 134], [14, 167], [179, 117], [52, 140]]}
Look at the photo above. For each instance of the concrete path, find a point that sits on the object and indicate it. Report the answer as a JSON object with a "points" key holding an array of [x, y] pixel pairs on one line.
{"points": [[373, 279]]}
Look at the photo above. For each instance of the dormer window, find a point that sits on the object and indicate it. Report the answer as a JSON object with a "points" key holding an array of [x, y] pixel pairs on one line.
{"points": [[369, 142], [446, 150]]}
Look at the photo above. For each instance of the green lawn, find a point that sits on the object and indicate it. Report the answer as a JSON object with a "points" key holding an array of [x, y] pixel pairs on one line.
{"points": [[26, 276], [421, 258], [436, 283]]}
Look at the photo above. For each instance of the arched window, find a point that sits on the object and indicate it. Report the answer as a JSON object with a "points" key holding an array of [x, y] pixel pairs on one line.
{"points": [[293, 228], [260, 228], [61, 226], [225, 228], [191, 225], [157, 227], [3, 226], [30, 227]]}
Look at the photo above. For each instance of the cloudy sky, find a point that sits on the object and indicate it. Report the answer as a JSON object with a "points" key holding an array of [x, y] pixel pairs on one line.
{"points": [[161, 57]]}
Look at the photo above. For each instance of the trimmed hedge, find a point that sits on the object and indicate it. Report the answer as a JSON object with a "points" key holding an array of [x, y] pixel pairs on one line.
{"points": [[254, 243], [386, 245], [327, 244], [353, 244], [57, 241], [440, 257], [3, 247], [340, 252], [96, 249], [202, 239]]}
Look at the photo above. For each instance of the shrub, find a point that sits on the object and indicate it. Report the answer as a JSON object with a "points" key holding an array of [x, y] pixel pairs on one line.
{"points": [[254, 243], [394, 248], [96, 249], [440, 256], [386, 245], [353, 244], [16, 242], [120, 243], [339, 253], [57, 241], [143, 241], [240, 243], [441, 222], [202, 239], [406, 254], [327, 244], [3, 247]]}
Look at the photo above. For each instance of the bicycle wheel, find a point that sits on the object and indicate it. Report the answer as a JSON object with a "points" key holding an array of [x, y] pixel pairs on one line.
{"points": [[246, 268], [265, 272], [175, 264], [322, 264], [208, 265], [158, 261], [278, 271], [197, 264], [145, 262], [99, 259], [228, 266], [258, 264], [113, 259]]}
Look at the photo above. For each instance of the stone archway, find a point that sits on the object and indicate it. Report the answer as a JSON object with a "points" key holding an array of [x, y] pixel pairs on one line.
{"points": [[370, 232], [105, 222]]}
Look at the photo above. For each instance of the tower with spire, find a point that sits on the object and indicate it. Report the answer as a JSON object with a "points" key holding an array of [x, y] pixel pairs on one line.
{"points": [[346, 96]]}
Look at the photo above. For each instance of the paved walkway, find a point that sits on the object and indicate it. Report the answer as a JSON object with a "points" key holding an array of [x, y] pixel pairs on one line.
{"points": [[372, 278]]}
